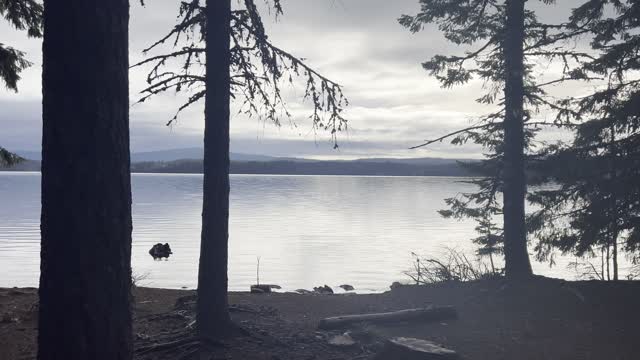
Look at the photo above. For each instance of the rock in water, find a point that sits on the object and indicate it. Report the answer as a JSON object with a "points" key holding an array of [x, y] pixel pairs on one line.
{"points": [[159, 251], [346, 287], [414, 349]]}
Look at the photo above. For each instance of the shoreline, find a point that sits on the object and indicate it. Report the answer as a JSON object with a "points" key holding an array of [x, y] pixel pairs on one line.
{"points": [[539, 319]]}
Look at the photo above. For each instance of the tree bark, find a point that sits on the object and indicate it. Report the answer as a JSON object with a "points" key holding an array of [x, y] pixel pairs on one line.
{"points": [[517, 263], [85, 278], [212, 306]]}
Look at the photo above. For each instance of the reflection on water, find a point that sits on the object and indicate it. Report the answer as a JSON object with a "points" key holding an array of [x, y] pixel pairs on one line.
{"points": [[307, 230]]}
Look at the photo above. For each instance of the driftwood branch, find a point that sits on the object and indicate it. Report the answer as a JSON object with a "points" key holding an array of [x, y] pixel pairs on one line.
{"points": [[432, 313], [414, 349]]}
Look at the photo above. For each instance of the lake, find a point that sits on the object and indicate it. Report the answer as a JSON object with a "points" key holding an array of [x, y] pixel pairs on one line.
{"points": [[307, 230]]}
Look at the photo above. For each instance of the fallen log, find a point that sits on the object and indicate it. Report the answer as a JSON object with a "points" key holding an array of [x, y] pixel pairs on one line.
{"points": [[260, 289], [414, 349], [432, 313]]}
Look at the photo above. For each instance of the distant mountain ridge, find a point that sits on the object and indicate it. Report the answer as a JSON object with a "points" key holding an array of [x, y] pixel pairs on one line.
{"points": [[189, 160], [165, 155], [198, 154]]}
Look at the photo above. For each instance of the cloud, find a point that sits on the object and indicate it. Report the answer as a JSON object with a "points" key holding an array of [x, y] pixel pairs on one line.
{"points": [[358, 43]]}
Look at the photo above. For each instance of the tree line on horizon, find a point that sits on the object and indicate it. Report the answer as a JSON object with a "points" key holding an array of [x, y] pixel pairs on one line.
{"points": [[378, 167], [85, 283]]}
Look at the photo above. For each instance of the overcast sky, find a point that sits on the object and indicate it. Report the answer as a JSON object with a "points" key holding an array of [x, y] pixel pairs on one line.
{"points": [[358, 43]]}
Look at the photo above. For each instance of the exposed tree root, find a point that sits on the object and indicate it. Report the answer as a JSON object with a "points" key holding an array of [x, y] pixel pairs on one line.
{"points": [[183, 345]]}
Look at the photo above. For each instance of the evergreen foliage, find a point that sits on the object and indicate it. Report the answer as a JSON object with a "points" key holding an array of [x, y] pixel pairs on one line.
{"points": [[23, 15], [484, 27], [596, 205], [8, 158]]}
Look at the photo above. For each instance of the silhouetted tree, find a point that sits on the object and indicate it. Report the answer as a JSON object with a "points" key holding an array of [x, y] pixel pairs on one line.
{"points": [[86, 225], [23, 15], [596, 206], [508, 35], [246, 65], [212, 308], [514, 182]]}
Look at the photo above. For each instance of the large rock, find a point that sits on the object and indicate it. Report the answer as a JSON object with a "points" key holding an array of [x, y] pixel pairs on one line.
{"points": [[159, 251], [414, 349]]}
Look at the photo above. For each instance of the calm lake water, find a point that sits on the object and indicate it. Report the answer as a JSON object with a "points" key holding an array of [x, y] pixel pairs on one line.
{"points": [[307, 230]]}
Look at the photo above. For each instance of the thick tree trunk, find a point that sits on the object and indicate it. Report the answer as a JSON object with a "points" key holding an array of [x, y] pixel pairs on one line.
{"points": [[212, 308], [86, 189], [517, 263]]}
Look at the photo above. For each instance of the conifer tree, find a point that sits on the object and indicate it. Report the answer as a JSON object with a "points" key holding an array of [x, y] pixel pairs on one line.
{"points": [[596, 208], [506, 38], [226, 54], [22, 15]]}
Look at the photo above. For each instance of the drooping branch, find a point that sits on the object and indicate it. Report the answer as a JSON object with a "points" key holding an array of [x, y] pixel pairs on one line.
{"points": [[487, 127], [259, 70]]}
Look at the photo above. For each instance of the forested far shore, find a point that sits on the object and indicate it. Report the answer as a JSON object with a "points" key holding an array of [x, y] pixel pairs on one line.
{"points": [[290, 167]]}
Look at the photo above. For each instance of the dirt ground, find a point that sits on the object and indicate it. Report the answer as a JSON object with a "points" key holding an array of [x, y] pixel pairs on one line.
{"points": [[543, 320]]}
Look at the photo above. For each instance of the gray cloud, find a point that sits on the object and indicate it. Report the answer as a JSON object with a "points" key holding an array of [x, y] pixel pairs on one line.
{"points": [[355, 42]]}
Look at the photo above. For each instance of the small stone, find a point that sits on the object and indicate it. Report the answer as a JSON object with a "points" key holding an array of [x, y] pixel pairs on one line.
{"points": [[342, 340]]}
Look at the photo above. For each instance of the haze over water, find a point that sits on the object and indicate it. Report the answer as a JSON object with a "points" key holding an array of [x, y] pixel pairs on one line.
{"points": [[307, 230]]}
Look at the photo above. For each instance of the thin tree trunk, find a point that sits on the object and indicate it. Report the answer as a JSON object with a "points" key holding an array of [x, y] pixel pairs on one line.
{"points": [[602, 262], [608, 263], [614, 202], [493, 267], [85, 277], [212, 307], [517, 263], [615, 258]]}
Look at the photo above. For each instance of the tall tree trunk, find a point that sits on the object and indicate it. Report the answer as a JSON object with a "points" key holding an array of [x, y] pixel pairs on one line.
{"points": [[517, 263], [212, 310], [85, 279], [614, 201], [615, 258], [602, 263]]}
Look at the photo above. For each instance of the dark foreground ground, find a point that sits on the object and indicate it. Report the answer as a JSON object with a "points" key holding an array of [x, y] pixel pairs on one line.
{"points": [[541, 320]]}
